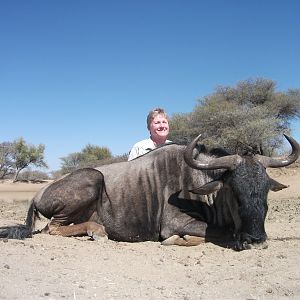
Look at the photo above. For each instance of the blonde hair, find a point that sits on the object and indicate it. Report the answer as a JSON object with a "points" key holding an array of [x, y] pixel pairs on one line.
{"points": [[154, 113]]}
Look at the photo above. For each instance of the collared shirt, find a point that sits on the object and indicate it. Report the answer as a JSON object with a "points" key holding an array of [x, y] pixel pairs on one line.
{"points": [[142, 147]]}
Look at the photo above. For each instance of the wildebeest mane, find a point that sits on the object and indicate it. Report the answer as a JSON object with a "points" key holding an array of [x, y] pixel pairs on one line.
{"points": [[217, 152]]}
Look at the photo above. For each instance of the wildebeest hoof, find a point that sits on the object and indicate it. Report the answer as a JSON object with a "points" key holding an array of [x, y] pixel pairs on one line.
{"points": [[96, 237], [239, 246], [260, 246], [171, 240]]}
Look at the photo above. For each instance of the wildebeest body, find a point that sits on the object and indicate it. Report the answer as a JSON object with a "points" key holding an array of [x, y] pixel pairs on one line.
{"points": [[164, 195], [131, 199], [138, 199]]}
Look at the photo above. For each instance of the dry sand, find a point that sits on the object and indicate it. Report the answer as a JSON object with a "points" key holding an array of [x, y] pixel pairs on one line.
{"points": [[51, 267]]}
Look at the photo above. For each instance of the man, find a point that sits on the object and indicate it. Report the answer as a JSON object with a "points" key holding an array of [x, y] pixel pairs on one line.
{"points": [[158, 126]]}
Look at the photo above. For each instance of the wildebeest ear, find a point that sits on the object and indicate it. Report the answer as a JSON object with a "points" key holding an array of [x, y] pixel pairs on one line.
{"points": [[208, 188], [277, 186]]}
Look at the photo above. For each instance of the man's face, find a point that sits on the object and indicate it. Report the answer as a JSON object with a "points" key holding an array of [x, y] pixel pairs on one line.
{"points": [[159, 128]]}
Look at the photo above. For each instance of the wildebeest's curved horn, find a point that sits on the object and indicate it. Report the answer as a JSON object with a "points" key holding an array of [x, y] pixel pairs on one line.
{"points": [[281, 162], [227, 162]]}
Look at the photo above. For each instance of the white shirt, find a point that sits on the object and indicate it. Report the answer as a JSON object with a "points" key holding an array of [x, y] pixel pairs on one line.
{"points": [[142, 147]]}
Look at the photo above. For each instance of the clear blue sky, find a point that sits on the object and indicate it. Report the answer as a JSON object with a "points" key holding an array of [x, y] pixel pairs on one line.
{"points": [[78, 72]]}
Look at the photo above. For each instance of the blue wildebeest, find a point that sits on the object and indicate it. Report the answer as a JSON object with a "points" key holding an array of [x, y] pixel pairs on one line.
{"points": [[179, 195]]}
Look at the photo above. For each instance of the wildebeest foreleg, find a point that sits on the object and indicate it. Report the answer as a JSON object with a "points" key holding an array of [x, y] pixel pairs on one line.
{"points": [[92, 229], [187, 240]]}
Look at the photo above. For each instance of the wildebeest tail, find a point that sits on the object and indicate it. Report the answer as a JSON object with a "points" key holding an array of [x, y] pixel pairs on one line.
{"points": [[21, 231]]}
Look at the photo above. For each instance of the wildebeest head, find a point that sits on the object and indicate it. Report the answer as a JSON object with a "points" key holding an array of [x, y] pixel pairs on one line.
{"points": [[248, 183]]}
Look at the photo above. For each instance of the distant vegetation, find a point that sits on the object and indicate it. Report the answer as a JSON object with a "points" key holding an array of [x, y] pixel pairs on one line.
{"points": [[29, 175], [251, 116]]}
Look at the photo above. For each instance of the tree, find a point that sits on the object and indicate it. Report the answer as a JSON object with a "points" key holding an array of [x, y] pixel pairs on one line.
{"points": [[24, 155], [92, 153], [89, 156], [251, 115], [6, 164], [71, 162]]}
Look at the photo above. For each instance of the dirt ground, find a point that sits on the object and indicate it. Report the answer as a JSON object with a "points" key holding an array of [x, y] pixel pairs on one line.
{"points": [[51, 267]]}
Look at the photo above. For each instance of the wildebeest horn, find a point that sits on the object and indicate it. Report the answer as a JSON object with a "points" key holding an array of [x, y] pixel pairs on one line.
{"points": [[281, 162], [227, 162]]}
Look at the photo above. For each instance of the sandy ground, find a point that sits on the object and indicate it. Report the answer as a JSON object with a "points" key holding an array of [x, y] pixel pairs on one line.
{"points": [[50, 267]]}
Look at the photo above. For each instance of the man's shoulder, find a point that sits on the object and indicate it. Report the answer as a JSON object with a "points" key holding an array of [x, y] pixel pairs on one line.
{"points": [[144, 143]]}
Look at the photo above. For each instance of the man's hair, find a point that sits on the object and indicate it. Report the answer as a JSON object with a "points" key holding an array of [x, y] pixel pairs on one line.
{"points": [[154, 113]]}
